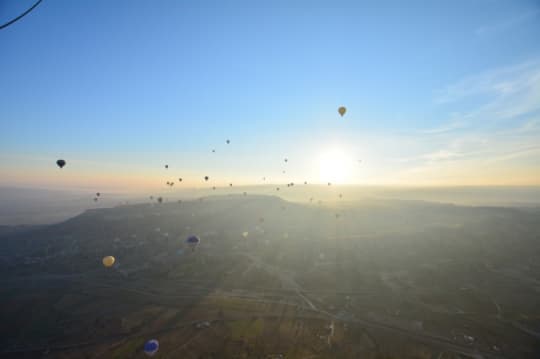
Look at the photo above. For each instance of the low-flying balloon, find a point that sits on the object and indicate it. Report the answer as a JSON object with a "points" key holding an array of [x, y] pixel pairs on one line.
{"points": [[61, 163], [151, 347], [193, 242], [342, 110], [108, 261]]}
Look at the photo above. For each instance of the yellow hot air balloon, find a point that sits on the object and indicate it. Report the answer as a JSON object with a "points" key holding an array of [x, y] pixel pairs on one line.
{"points": [[342, 110], [108, 261]]}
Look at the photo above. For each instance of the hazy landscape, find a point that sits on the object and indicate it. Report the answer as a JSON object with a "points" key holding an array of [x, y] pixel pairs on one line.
{"points": [[372, 278]]}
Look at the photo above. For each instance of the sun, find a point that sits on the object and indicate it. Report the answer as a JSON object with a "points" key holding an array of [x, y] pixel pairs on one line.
{"points": [[335, 166]]}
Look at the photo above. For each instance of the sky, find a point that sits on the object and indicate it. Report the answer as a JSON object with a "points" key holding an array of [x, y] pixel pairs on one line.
{"points": [[437, 93]]}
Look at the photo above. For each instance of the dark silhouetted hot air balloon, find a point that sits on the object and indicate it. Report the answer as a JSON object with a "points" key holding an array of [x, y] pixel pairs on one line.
{"points": [[166, 166], [206, 178], [98, 194], [193, 242], [160, 199], [228, 141], [179, 180], [61, 163], [342, 110]]}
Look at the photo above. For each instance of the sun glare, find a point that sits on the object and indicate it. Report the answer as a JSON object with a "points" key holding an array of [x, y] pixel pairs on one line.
{"points": [[335, 166]]}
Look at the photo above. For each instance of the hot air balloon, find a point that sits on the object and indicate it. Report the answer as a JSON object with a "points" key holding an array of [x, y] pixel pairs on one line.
{"points": [[166, 166], [342, 110], [228, 141], [206, 178], [98, 194], [108, 261], [230, 184], [61, 163], [151, 347], [213, 151], [160, 199], [245, 234], [286, 160], [95, 199], [179, 180], [193, 242]]}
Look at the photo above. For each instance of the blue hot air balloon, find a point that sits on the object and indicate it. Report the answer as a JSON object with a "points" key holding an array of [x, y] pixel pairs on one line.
{"points": [[151, 347]]}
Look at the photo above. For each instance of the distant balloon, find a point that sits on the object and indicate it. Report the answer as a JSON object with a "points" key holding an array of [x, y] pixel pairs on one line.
{"points": [[160, 199], [230, 184], [151, 347], [305, 182], [329, 184], [286, 160], [151, 197], [342, 110], [179, 180], [228, 141], [193, 241], [166, 166], [213, 151], [108, 261], [245, 234], [277, 188], [98, 194], [206, 178], [340, 195], [61, 163], [95, 199], [214, 188]]}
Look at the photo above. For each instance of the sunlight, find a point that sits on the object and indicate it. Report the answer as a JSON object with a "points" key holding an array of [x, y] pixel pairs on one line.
{"points": [[335, 166]]}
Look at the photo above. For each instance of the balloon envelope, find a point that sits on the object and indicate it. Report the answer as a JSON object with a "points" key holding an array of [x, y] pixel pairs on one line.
{"points": [[108, 261], [60, 163], [342, 110], [151, 347], [193, 241]]}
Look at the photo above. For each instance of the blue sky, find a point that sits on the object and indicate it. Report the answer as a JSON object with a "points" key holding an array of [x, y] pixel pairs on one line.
{"points": [[435, 90]]}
